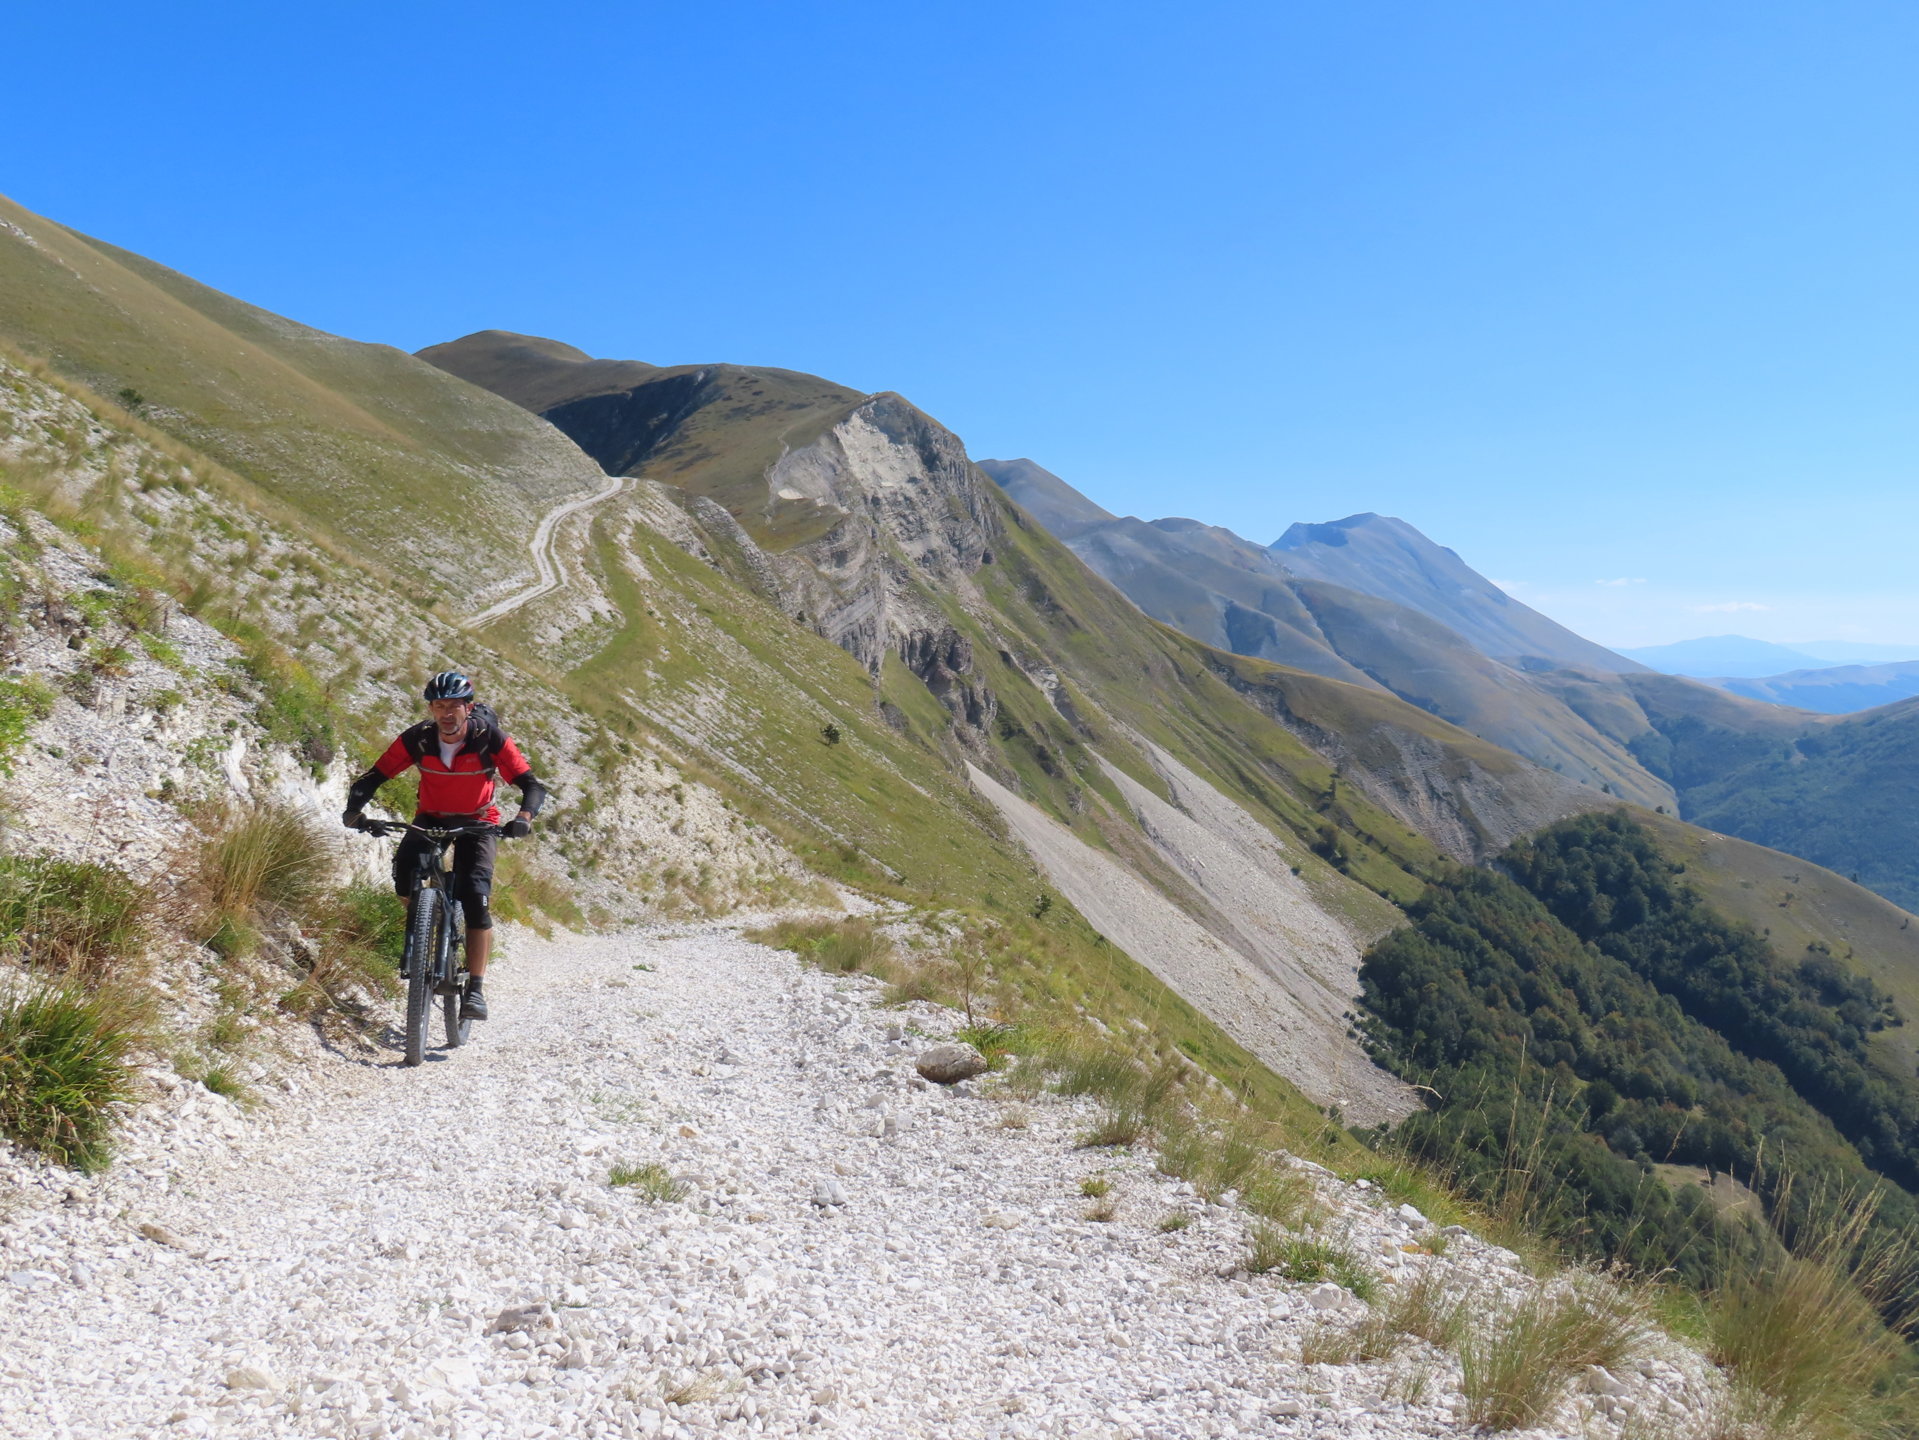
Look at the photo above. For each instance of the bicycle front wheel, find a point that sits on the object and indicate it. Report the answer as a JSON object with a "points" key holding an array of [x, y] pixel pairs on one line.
{"points": [[457, 1030], [422, 950]]}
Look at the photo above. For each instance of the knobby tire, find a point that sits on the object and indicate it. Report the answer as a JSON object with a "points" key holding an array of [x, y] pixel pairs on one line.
{"points": [[457, 1030], [422, 949]]}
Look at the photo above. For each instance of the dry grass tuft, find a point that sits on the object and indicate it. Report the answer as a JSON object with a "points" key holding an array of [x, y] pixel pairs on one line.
{"points": [[254, 865], [840, 946], [1426, 1309], [1802, 1338], [1516, 1368]]}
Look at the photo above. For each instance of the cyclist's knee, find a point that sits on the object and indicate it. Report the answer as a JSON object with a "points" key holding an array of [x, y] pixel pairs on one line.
{"points": [[479, 913]]}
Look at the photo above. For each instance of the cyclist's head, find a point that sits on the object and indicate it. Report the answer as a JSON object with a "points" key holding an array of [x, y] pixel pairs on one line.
{"points": [[449, 685], [449, 696]]}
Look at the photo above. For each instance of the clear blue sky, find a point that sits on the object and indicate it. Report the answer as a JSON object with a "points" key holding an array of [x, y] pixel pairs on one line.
{"points": [[1621, 291]]}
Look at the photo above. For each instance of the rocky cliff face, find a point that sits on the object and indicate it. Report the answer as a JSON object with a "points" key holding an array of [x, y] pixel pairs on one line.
{"points": [[911, 525]]}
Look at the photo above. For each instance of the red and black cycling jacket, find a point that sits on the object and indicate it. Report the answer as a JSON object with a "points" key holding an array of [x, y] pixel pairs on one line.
{"points": [[486, 757]]}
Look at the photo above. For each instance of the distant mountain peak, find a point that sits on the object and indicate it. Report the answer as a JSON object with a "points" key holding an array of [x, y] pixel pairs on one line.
{"points": [[1735, 656], [1384, 556], [1047, 498]]}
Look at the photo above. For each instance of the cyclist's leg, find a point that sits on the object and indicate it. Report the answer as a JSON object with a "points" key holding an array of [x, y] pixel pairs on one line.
{"points": [[473, 883]]}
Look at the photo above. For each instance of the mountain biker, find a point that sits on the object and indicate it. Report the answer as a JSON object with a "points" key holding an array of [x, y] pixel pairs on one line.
{"points": [[461, 751]]}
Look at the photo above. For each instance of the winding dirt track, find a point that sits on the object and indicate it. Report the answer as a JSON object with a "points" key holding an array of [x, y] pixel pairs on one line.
{"points": [[542, 547]]}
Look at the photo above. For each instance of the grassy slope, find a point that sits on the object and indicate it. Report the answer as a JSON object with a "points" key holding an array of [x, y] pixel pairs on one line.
{"points": [[1425, 663], [362, 440], [734, 694], [731, 682], [714, 430], [1831, 788]]}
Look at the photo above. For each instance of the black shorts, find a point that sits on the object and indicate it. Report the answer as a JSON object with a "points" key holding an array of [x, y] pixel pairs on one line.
{"points": [[472, 866]]}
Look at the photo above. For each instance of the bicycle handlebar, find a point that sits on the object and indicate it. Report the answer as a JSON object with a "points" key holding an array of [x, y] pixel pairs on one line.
{"points": [[384, 828]]}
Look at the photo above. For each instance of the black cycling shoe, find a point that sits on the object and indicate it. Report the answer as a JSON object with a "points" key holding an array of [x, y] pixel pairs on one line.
{"points": [[473, 1007]]}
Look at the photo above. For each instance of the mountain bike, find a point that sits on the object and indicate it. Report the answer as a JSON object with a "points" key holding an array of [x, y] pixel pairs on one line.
{"points": [[434, 961]]}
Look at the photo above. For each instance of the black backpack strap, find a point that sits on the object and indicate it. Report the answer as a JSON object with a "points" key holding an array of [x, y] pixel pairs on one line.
{"points": [[419, 740], [491, 736]]}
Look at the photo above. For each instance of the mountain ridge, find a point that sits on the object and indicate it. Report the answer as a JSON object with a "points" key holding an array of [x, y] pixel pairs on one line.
{"points": [[1236, 595]]}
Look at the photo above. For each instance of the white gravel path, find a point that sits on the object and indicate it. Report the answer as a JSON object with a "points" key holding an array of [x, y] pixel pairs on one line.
{"points": [[547, 576], [858, 1253]]}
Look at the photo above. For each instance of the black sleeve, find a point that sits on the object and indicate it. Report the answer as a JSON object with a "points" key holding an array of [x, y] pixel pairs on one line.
{"points": [[362, 790], [532, 793]]}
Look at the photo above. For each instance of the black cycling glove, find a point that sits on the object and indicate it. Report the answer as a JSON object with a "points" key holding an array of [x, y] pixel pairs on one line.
{"points": [[353, 820], [517, 829]]}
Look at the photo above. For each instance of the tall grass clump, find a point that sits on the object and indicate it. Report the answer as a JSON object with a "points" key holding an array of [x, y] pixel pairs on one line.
{"points": [[1516, 1367], [1237, 1157], [257, 864], [65, 1061], [841, 946], [70, 915], [1802, 1338], [1135, 1099]]}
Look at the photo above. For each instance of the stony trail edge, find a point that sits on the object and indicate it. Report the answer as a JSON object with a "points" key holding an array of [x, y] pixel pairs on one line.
{"points": [[853, 1251]]}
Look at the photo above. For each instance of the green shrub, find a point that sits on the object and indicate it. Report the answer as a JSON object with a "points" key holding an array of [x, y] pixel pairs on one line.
{"points": [[64, 1064], [70, 914]]}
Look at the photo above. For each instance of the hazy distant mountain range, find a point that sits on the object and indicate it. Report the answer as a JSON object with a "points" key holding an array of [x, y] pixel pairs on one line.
{"points": [[1368, 599], [1371, 601], [1738, 657], [1833, 677]]}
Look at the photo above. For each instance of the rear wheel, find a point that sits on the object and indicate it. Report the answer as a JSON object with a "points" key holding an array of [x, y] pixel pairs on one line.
{"points": [[457, 1030], [422, 947]]}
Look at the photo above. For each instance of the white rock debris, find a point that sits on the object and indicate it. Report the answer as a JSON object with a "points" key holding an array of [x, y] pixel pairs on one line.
{"points": [[439, 1252]]}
